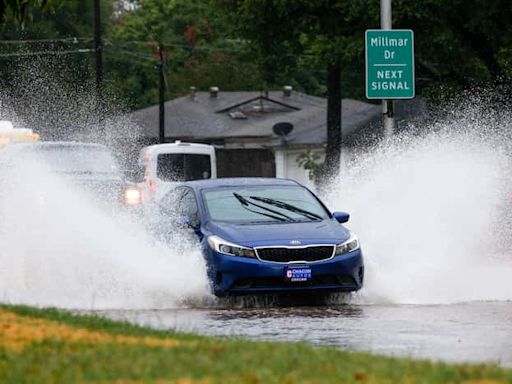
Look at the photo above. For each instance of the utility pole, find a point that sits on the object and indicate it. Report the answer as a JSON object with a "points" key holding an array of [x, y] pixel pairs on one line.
{"points": [[387, 105], [98, 52], [98, 48], [161, 116]]}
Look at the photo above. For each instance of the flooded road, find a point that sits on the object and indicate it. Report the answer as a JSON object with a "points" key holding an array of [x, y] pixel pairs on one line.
{"points": [[474, 332], [425, 248]]}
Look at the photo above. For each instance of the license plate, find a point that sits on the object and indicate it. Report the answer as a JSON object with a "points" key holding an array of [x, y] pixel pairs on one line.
{"points": [[297, 274]]}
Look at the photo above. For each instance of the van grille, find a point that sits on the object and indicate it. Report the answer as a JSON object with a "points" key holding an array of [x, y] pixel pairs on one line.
{"points": [[286, 255]]}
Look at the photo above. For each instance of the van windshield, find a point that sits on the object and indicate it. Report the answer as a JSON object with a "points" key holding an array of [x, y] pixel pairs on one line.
{"points": [[183, 167]]}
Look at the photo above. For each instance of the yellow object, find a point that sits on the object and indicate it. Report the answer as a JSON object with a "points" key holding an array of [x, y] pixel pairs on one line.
{"points": [[18, 332], [8, 134]]}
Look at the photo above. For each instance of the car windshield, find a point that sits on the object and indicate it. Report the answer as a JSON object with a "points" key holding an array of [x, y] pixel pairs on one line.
{"points": [[253, 204], [74, 159]]}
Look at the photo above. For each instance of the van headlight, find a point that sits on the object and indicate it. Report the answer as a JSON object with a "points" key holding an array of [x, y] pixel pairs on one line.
{"points": [[222, 246], [351, 244]]}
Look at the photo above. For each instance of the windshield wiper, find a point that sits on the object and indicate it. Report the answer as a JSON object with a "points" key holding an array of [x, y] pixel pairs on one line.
{"points": [[288, 207], [246, 203]]}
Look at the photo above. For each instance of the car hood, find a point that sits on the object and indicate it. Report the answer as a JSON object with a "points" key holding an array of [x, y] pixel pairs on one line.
{"points": [[254, 235], [106, 188]]}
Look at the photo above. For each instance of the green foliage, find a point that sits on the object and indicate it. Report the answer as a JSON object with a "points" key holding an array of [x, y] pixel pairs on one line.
{"points": [[198, 53], [47, 67], [459, 43], [64, 19], [310, 162], [257, 44], [18, 10], [294, 41]]}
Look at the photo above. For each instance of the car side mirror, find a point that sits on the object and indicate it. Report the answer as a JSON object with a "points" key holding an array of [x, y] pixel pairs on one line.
{"points": [[341, 217]]}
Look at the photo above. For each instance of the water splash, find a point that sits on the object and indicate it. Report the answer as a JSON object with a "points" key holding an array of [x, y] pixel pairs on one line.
{"points": [[430, 209], [57, 248], [431, 213]]}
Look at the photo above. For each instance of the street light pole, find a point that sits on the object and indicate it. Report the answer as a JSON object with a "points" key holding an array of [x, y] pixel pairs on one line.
{"points": [[387, 105]]}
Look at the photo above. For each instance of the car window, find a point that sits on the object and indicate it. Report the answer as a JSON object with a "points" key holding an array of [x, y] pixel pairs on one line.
{"points": [[180, 201], [263, 203], [169, 202], [183, 167], [187, 205]]}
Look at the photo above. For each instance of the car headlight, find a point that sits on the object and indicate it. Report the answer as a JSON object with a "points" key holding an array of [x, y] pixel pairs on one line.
{"points": [[222, 246], [347, 246], [132, 196]]}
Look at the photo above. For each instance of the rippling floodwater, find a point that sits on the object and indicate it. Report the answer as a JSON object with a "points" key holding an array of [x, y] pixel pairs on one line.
{"points": [[473, 332]]}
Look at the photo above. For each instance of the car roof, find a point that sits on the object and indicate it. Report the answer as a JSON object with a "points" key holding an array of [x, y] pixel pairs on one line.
{"points": [[14, 147], [179, 146], [58, 144], [238, 181]]}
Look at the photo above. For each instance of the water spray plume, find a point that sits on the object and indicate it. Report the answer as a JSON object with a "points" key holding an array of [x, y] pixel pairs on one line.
{"points": [[431, 208], [58, 248], [431, 213]]}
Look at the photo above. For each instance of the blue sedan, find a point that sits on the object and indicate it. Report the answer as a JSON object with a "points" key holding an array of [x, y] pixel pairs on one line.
{"points": [[262, 235]]}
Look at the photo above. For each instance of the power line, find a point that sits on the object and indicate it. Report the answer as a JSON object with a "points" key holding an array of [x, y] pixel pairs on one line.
{"points": [[173, 45], [34, 41], [110, 43], [197, 48], [42, 53], [116, 47]]}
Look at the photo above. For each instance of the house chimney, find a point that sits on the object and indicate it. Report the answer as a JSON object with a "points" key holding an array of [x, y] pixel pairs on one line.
{"points": [[193, 93], [287, 90], [214, 92]]}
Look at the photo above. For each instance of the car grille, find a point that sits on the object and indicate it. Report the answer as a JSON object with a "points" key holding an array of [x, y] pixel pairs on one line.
{"points": [[286, 255]]}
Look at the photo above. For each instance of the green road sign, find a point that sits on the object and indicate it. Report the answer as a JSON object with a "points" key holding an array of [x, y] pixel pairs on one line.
{"points": [[389, 64]]}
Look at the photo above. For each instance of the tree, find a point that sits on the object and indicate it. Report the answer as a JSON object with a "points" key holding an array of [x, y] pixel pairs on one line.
{"points": [[334, 27], [257, 45], [18, 10], [283, 30], [47, 67], [198, 51]]}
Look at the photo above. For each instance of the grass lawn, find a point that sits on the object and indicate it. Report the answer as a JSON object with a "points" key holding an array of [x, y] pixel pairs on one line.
{"points": [[52, 346]]}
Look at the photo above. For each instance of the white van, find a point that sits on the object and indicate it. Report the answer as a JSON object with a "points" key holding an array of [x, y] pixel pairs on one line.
{"points": [[165, 165]]}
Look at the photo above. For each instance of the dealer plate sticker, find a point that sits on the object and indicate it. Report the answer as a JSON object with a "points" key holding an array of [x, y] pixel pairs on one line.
{"points": [[297, 274]]}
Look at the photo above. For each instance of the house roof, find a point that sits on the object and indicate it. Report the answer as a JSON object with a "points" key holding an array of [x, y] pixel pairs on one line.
{"points": [[207, 118]]}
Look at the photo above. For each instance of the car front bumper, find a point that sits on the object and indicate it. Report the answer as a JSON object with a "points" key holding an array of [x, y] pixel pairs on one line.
{"points": [[232, 275]]}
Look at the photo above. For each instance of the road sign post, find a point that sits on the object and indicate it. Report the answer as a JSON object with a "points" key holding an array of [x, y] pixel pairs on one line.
{"points": [[389, 64], [386, 22]]}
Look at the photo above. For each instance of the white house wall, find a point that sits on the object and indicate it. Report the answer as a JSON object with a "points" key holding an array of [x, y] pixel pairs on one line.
{"points": [[287, 166]]}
